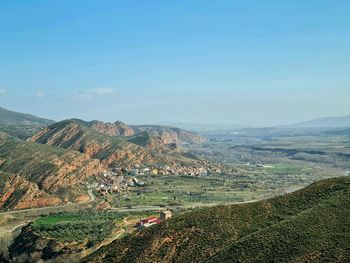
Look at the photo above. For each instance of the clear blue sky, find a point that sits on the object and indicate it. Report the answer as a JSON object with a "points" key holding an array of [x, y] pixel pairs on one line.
{"points": [[203, 61]]}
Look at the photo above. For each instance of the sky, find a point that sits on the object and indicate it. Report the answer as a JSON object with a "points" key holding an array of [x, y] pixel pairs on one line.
{"points": [[254, 62]]}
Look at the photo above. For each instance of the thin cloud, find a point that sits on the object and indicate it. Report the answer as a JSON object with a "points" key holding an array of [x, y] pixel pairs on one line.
{"points": [[103, 90], [39, 95], [2, 92], [90, 94]]}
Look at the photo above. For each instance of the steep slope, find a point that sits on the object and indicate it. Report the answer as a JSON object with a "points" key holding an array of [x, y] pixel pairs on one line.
{"points": [[310, 225], [117, 128], [7, 116], [21, 125], [111, 150], [167, 134], [170, 134], [35, 175]]}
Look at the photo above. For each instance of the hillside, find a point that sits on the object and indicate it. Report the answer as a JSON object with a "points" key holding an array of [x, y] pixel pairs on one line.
{"points": [[117, 128], [333, 122], [21, 125], [111, 150], [170, 134], [35, 175], [310, 225], [166, 134]]}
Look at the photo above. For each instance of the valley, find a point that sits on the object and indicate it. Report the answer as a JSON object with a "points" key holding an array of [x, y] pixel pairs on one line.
{"points": [[73, 189]]}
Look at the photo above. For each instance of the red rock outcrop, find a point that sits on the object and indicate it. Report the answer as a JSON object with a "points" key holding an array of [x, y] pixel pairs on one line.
{"points": [[113, 129], [35, 175], [19, 193]]}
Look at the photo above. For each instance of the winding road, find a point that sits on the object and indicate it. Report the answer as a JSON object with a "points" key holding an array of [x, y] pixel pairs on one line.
{"points": [[48, 208]]}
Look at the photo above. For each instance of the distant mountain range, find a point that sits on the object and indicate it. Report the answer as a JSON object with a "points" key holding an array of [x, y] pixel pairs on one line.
{"points": [[204, 127], [325, 122]]}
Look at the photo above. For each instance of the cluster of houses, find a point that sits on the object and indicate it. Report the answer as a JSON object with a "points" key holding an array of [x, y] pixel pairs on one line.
{"points": [[119, 180], [150, 221], [110, 182], [168, 170]]}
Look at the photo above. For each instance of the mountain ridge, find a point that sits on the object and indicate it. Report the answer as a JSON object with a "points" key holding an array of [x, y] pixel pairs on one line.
{"points": [[111, 150], [324, 122], [21, 125], [13, 117]]}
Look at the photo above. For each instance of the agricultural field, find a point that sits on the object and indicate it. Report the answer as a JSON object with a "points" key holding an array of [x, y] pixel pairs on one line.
{"points": [[243, 183]]}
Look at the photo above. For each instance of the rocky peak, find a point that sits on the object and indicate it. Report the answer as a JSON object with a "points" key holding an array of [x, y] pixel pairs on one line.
{"points": [[117, 128]]}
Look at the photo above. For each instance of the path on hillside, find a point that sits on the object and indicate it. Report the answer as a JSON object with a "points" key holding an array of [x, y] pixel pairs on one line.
{"points": [[121, 230]]}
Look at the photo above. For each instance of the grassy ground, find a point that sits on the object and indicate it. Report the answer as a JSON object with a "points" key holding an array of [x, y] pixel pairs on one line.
{"points": [[55, 219]]}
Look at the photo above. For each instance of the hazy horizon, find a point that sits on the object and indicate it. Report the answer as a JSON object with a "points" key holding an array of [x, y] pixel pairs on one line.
{"points": [[228, 62]]}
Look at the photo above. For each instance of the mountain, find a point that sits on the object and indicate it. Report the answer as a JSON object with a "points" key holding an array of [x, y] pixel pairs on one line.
{"points": [[117, 128], [170, 134], [309, 225], [167, 134], [21, 125], [110, 150], [12, 117], [35, 175], [326, 122]]}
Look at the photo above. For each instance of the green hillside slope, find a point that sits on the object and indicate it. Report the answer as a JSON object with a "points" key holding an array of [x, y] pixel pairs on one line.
{"points": [[21, 125], [310, 225]]}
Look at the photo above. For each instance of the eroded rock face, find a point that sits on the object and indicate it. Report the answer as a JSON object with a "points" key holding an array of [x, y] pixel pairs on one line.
{"points": [[108, 149], [36, 175], [171, 134], [113, 129], [166, 134], [19, 193], [71, 171]]}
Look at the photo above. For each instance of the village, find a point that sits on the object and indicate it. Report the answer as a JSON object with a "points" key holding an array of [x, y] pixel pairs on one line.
{"points": [[119, 180]]}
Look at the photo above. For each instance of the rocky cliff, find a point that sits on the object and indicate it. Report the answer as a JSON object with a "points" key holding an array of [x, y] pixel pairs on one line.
{"points": [[110, 150], [35, 175], [167, 134], [117, 128], [170, 134]]}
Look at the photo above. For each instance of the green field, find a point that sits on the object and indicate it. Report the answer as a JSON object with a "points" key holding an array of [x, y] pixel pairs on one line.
{"points": [[55, 219]]}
